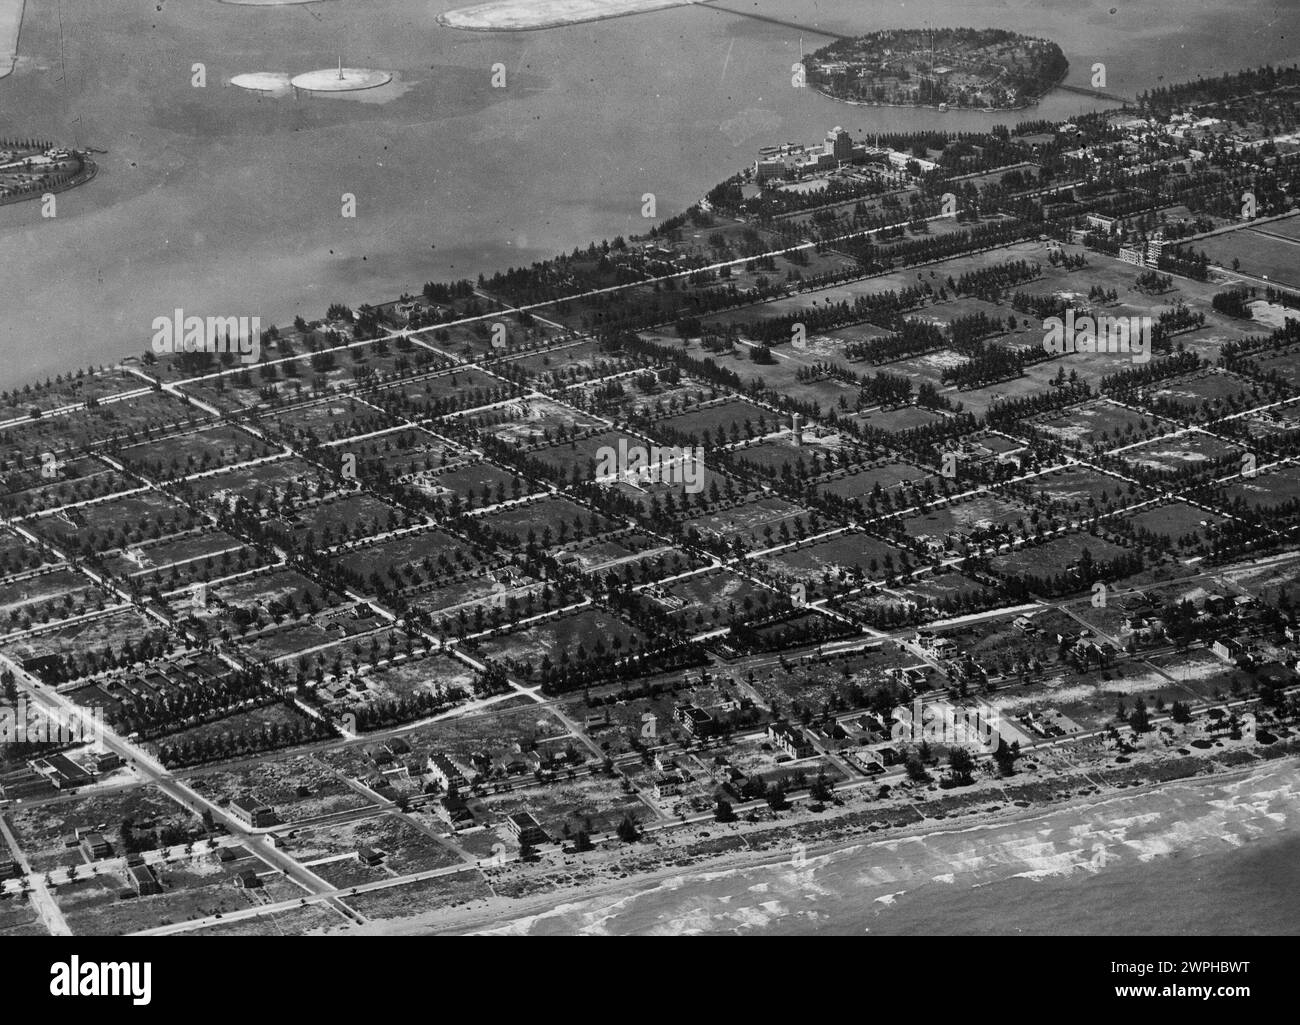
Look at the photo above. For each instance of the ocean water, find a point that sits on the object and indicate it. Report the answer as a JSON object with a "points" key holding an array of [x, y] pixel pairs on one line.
{"points": [[220, 201], [1254, 891], [1216, 857]]}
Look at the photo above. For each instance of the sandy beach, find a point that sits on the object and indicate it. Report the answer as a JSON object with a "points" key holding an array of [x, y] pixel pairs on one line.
{"points": [[11, 23], [910, 874]]}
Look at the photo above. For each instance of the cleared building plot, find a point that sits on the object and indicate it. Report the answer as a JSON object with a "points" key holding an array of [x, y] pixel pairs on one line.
{"points": [[571, 639], [1208, 394], [549, 520], [530, 420], [899, 419], [338, 520], [408, 561], [856, 485], [1100, 423], [814, 454], [762, 521], [152, 412], [582, 458], [263, 486], [710, 600], [1070, 563], [329, 419], [184, 454], [1181, 525], [42, 596], [1079, 490], [115, 523], [1272, 493], [978, 518], [445, 393], [724, 421], [1192, 452], [184, 559], [474, 485], [27, 488], [1261, 252], [836, 561], [634, 557], [396, 692]]}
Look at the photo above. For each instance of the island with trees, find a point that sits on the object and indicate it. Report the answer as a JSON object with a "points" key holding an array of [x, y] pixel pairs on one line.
{"points": [[986, 69], [30, 169]]}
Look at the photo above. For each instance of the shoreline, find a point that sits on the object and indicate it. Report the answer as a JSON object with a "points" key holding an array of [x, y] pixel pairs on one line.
{"points": [[931, 106], [1033, 101], [504, 913], [11, 27], [83, 177]]}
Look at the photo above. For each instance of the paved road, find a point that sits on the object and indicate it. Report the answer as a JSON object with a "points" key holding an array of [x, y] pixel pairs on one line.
{"points": [[153, 772]]}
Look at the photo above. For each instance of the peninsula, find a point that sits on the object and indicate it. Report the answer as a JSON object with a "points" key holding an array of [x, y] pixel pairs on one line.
{"points": [[11, 22], [525, 15]]}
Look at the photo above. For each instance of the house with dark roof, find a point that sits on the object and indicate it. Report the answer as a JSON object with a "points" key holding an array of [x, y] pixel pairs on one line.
{"points": [[94, 846], [451, 774], [253, 812], [526, 829], [143, 879], [667, 784], [1229, 648], [453, 810], [106, 761], [64, 773], [694, 720], [790, 740]]}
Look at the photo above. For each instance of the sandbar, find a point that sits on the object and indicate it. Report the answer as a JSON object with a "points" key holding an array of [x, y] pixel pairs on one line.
{"points": [[11, 23], [524, 15], [276, 83]]}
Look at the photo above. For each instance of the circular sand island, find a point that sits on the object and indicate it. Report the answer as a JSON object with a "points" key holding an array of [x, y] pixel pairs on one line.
{"points": [[341, 80], [274, 82]]}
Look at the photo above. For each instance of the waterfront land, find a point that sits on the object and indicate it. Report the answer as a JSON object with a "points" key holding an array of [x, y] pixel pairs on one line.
{"points": [[990, 69], [378, 646], [286, 252], [29, 170]]}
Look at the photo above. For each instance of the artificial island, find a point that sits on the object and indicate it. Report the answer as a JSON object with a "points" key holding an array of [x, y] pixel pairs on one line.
{"points": [[989, 69], [30, 169]]}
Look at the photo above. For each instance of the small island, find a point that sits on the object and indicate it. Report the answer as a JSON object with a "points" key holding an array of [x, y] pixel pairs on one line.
{"points": [[29, 169], [984, 69]]}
